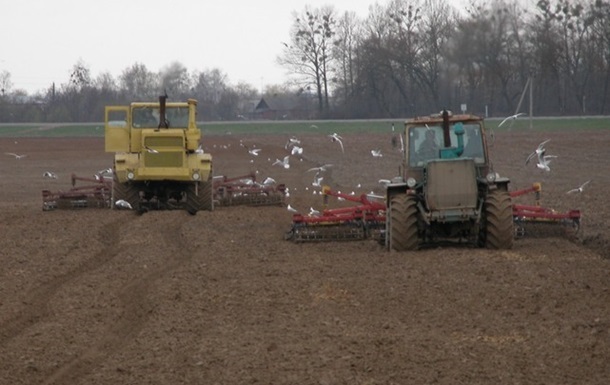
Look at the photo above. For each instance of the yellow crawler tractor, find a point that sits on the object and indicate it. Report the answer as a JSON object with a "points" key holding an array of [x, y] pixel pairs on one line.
{"points": [[158, 163]]}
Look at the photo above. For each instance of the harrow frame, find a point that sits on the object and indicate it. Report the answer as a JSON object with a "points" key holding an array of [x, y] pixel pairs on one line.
{"points": [[364, 220], [96, 193], [524, 214], [245, 190]]}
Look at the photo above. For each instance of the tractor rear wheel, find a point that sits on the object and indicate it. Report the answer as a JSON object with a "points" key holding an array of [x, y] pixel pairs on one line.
{"points": [[499, 227], [126, 192], [404, 234]]}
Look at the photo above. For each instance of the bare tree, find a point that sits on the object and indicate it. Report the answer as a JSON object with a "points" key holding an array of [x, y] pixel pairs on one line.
{"points": [[138, 83], [309, 54], [438, 24], [601, 35], [5, 83], [571, 23], [347, 38]]}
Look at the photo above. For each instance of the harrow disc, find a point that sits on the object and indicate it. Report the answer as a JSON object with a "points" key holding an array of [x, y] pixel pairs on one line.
{"points": [[326, 233], [252, 200]]}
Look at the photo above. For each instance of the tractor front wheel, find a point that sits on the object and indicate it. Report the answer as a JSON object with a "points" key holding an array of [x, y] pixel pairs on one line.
{"points": [[498, 224], [404, 233], [199, 196], [126, 192]]}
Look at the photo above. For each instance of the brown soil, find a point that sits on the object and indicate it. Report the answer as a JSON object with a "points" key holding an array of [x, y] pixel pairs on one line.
{"points": [[110, 297]]}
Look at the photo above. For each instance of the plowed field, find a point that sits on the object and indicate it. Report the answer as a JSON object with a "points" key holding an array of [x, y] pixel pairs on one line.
{"points": [[110, 297]]}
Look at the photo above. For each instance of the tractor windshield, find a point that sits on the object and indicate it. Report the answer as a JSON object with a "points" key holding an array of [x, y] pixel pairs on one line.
{"points": [[425, 143], [148, 117]]}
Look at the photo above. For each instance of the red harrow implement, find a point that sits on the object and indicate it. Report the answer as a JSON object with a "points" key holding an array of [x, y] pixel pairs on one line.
{"points": [[96, 193], [361, 221], [245, 190], [534, 216]]}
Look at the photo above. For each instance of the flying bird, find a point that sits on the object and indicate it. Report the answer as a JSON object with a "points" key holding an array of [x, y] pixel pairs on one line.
{"points": [[313, 212], [123, 204], [540, 151], [284, 163], [106, 171], [512, 117], [376, 153], [317, 180], [254, 151], [17, 156], [268, 181], [296, 150], [292, 141], [320, 168], [543, 162], [579, 189], [49, 174], [336, 138]]}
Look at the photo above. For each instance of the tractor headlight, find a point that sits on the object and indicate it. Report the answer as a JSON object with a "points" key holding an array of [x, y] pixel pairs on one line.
{"points": [[130, 175], [492, 176], [196, 176], [411, 182]]}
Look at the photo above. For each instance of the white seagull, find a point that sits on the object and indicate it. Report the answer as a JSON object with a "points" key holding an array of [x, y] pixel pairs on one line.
{"points": [[17, 156], [254, 151], [49, 174], [151, 150], [513, 117], [321, 168], [579, 189], [317, 180], [123, 204], [292, 141], [291, 209], [376, 153], [296, 150], [540, 150], [313, 212], [284, 163], [268, 181], [543, 162], [336, 138]]}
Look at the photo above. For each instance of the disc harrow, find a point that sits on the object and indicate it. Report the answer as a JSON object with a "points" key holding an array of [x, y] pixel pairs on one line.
{"points": [[364, 220], [95, 193], [245, 190], [535, 219]]}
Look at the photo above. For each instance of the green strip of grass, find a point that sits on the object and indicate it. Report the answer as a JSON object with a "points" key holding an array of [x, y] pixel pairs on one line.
{"points": [[302, 127]]}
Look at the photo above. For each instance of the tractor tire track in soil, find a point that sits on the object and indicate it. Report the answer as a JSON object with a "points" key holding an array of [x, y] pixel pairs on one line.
{"points": [[136, 306], [38, 300]]}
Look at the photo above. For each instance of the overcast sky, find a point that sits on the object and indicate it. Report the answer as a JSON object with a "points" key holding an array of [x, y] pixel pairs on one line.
{"points": [[43, 39]]}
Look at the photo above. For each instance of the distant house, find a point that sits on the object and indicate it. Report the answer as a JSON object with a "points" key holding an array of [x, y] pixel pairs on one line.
{"points": [[282, 107]]}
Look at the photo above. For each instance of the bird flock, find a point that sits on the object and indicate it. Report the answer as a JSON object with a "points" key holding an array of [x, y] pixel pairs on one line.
{"points": [[296, 150]]}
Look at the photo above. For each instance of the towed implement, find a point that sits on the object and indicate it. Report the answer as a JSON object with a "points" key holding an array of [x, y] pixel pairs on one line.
{"points": [[94, 193], [245, 190], [364, 220], [536, 220]]}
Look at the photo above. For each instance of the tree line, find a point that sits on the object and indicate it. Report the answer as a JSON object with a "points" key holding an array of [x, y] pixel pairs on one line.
{"points": [[407, 57]]}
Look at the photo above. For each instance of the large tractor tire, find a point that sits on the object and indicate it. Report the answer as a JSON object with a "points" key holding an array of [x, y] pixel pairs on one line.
{"points": [[499, 227], [126, 192], [404, 234], [199, 197]]}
